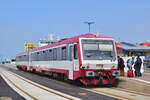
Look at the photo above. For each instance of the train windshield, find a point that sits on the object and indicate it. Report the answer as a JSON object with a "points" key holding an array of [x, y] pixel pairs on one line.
{"points": [[98, 49]]}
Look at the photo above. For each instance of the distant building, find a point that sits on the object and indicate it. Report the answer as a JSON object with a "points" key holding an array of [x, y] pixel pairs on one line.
{"points": [[45, 42], [147, 44], [147, 58], [50, 40]]}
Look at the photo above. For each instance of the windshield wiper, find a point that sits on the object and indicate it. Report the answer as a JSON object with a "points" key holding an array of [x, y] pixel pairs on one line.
{"points": [[91, 54]]}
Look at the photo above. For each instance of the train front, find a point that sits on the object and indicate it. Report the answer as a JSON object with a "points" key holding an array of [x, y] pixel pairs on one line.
{"points": [[99, 61]]}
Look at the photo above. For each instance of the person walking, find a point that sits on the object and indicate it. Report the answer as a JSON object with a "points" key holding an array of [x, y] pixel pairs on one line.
{"points": [[137, 66], [121, 66]]}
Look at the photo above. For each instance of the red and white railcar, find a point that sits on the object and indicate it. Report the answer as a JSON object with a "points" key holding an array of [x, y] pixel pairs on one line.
{"points": [[88, 58]]}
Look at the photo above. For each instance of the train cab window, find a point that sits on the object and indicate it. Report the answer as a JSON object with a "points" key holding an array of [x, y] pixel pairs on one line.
{"points": [[98, 50]]}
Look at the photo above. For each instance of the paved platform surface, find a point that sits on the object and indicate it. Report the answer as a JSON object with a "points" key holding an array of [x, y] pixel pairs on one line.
{"points": [[6, 91], [145, 77], [139, 84]]}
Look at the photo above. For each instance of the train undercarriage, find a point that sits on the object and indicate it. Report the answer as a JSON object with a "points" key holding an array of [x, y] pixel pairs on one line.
{"points": [[102, 77]]}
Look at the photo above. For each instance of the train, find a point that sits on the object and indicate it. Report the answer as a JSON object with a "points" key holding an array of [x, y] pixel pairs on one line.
{"points": [[88, 59]]}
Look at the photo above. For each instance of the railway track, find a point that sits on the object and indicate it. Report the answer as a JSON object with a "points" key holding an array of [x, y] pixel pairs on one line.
{"points": [[121, 94], [31, 89]]}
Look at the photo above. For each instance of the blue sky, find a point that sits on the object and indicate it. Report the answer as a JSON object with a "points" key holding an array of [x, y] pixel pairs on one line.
{"points": [[30, 20]]}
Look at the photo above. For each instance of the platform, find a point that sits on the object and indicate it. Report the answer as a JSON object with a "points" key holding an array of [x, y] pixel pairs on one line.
{"points": [[138, 84], [7, 93]]}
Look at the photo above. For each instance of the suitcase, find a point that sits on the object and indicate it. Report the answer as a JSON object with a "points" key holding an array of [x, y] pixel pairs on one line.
{"points": [[130, 73]]}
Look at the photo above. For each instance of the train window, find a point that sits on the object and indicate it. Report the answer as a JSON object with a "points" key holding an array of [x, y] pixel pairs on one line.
{"points": [[22, 58], [32, 57], [54, 54], [75, 52], [36, 57], [64, 54], [70, 52], [27, 58], [43, 56], [50, 55], [50, 50], [58, 53], [46, 55], [19, 58]]}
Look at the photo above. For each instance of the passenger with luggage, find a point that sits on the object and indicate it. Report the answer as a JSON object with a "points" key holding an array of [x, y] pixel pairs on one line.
{"points": [[121, 66], [130, 63], [137, 66]]}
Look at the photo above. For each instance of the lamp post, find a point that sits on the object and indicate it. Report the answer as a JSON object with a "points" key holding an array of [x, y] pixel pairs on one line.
{"points": [[89, 24]]}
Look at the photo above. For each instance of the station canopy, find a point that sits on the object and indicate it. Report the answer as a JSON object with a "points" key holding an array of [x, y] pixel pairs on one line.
{"points": [[133, 47]]}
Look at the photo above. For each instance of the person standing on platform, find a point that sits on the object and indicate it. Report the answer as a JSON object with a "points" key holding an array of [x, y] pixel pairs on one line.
{"points": [[130, 62], [121, 66], [137, 66]]}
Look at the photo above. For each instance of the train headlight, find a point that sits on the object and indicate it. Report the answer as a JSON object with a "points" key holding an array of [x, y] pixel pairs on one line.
{"points": [[116, 73], [89, 73]]}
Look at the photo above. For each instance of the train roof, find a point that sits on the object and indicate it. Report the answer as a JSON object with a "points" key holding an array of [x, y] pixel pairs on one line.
{"points": [[66, 41]]}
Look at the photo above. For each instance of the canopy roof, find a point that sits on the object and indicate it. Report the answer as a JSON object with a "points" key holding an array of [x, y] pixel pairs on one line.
{"points": [[130, 46]]}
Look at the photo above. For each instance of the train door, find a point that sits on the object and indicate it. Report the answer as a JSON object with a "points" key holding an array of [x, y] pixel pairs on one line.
{"points": [[74, 60]]}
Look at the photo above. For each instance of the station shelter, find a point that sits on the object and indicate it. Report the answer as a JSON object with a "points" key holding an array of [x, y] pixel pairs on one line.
{"points": [[127, 50], [147, 58]]}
